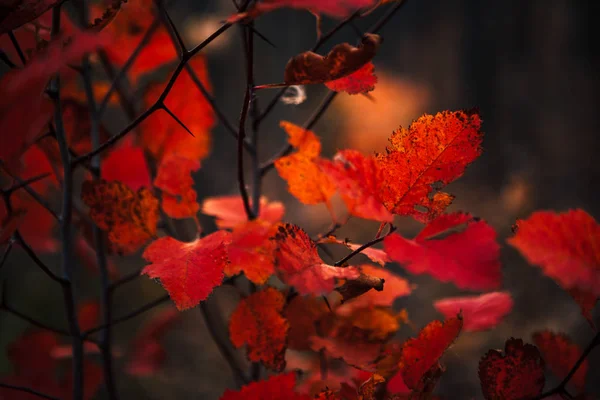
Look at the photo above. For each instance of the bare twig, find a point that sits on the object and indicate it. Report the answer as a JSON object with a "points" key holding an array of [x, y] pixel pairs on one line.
{"points": [[15, 43], [6, 60], [29, 251], [363, 247], [26, 389], [6, 253]]}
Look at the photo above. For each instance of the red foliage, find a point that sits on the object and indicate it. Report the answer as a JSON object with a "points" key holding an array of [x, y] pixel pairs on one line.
{"points": [[422, 353], [299, 265], [361, 81], [188, 271], [127, 164], [229, 210], [518, 374], [452, 248], [176, 183], [257, 322], [479, 312], [276, 387]]}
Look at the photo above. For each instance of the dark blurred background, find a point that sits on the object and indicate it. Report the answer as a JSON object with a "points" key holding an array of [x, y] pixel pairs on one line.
{"points": [[532, 69]]}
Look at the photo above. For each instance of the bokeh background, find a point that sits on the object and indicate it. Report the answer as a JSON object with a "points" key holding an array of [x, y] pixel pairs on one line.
{"points": [[532, 69]]}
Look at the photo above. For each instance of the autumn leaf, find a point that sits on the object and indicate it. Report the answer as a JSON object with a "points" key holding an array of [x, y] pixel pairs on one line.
{"points": [[343, 60], [560, 355], [358, 179], [188, 271], [15, 13], [176, 183], [479, 312], [161, 135], [371, 389], [300, 170], [147, 353], [432, 152], [393, 287], [302, 314], [276, 387], [229, 210], [252, 251], [129, 217], [566, 246], [453, 248], [127, 29], [257, 321], [362, 80], [88, 315], [421, 353], [357, 287], [348, 344], [518, 374], [587, 302], [128, 165], [299, 265]]}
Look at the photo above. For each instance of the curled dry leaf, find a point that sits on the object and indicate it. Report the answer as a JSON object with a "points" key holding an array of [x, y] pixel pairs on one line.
{"points": [[298, 263], [129, 217], [423, 352], [341, 61], [518, 374], [275, 387], [432, 152], [453, 248], [252, 251], [257, 321], [566, 246], [305, 179], [176, 184], [229, 210], [188, 271], [560, 355], [479, 312]]}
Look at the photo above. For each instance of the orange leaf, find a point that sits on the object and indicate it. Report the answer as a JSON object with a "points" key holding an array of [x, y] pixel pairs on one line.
{"points": [[359, 180], [422, 353], [433, 151], [251, 251], [229, 210], [257, 322], [129, 217], [341, 61], [127, 164], [362, 80], [299, 264], [188, 271], [453, 248], [147, 353], [566, 246], [302, 313], [518, 374], [276, 387], [304, 177], [176, 183], [162, 135], [561, 354], [479, 312]]}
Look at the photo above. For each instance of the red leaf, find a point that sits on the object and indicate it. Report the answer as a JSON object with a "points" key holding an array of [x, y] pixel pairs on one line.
{"points": [[479, 312], [176, 183], [188, 271], [467, 258], [257, 322], [229, 210], [518, 374], [302, 313], [587, 301], [566, 246], [147, 354], [432, 152], [88, 315], [362, 80], [30, 354], [358, 179], [162, 135], [277, 387], [561, 354], [127, 164], [299, 264], [422, 353], [129, 217], [252, 251]]}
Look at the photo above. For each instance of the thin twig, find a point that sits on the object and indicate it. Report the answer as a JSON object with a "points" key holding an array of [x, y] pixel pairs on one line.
{"points": [[15, 43], [240, 153], [25, 185], [6, 60], [6, 253], [124, 280], [26, 389], [363, 247], [29, 251]]}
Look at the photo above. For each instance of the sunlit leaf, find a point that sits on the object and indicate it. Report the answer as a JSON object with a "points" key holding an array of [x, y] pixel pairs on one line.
{"points": [[479, 312]]}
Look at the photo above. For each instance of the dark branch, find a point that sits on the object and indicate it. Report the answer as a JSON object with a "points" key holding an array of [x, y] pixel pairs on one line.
{"points": [[15, 43], [28, 390], [363, 247], [29, 251]]}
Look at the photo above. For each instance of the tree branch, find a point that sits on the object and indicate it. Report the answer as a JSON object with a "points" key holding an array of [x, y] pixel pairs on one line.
{"points": [[363, 247], [15, 43], [25, 389]]}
